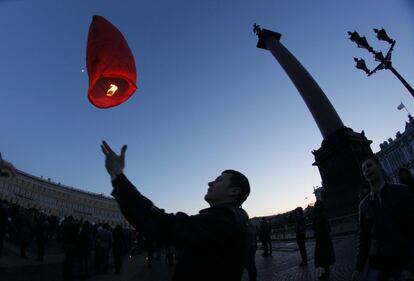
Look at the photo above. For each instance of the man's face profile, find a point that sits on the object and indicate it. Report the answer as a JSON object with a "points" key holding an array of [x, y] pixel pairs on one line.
{"points": [[219, 190]]}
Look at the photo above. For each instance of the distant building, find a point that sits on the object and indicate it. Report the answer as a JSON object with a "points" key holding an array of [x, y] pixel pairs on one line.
{"points": [[398, 152], [56, 199]]}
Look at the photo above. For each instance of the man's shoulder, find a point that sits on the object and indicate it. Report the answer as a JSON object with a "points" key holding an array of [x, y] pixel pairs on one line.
{"points": [[226, 212], [224, 208]]}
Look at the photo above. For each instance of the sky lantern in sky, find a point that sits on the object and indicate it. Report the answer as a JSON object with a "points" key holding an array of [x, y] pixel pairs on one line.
{"points": [[111, 65]]}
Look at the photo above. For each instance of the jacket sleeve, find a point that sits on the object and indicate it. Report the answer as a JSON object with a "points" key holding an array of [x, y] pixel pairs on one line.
{"points": [[177, 229], [364, 242]]}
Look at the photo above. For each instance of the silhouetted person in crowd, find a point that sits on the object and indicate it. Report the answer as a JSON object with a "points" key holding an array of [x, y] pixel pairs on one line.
{"points": [[169, 255], [118, 247], [284, 231], [85, 246], [70, 238], [24, 231], [251, 252], [405, 177], [324, 251], [41, 228], [104, 240], [265, 237], [214, 241], [97, 249], [150, 249], [386, 228], [3, 224], [301, 235]]}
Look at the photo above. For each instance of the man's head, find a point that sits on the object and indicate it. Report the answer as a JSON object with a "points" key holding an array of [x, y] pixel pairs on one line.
{"points": [[299, 211], [230, 187], [372, 170], [405, 176]]}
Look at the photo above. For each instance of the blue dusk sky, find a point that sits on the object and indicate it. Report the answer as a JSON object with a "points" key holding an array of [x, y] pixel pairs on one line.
{"points": [[208, 99]]}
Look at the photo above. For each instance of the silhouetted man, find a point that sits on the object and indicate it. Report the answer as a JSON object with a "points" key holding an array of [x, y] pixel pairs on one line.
{"points": [[301, 235], [214, 241], [405, 177], [70, 238], [386, 228], [41, 227], [265, 237]]}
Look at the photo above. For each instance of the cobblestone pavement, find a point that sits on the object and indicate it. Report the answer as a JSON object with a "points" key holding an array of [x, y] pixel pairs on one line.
{"points": [[282, 265]]}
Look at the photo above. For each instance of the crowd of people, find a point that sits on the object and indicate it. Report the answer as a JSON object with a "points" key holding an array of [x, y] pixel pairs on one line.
{"points": [[78, 240], [324, 256]]}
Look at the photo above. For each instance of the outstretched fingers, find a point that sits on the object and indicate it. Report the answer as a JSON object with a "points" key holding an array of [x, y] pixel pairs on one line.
{"points": [[123, 150], [106, 149]]}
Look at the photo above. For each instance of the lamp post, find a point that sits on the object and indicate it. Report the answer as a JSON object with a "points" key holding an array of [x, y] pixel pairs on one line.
{"points": [[384, 61]]}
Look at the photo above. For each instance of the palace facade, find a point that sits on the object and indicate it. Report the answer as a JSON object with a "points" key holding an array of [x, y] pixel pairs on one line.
{"points": [[398, 152], [56, 199]]}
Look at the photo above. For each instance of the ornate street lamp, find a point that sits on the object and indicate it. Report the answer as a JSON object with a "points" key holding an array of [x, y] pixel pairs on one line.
{"points": [[360, 64], [383, 36], [360, 41], [384, 61]]}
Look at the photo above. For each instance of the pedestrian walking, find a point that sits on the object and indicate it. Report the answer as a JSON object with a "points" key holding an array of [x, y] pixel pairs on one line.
{"points": [[265, 237], [301, 235], [324, 251]]}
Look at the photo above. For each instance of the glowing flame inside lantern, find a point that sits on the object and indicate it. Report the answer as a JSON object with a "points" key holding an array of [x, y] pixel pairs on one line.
{"points": [[111, 91]]}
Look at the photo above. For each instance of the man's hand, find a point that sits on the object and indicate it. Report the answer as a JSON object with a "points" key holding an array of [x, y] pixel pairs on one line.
{"points": [[114, 163], [355, 275]]}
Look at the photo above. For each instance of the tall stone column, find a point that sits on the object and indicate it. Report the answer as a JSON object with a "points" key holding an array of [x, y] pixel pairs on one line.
{"points": [[323, 112], [342, 151]]}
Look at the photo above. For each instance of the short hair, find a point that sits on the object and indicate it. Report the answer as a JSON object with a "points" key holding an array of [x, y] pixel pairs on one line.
{"points": [[373, 158], [405, 180], [299, 210], [237, 179]]}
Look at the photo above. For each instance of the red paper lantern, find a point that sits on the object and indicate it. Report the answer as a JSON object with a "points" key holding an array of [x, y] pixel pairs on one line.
{"points": [[111, 65]]}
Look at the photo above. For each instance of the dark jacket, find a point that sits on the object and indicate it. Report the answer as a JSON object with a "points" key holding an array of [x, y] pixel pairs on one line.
{"points": [[386, 233], [324, 251], [265, 231], [300, 227], [119, 241], [85, 242], [213, 242]]}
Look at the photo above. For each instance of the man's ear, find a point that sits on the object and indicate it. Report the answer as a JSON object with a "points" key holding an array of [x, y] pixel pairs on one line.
{"points": [[234, 191]]}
